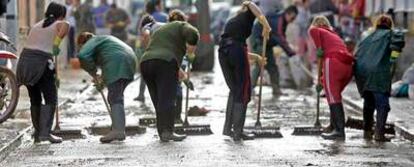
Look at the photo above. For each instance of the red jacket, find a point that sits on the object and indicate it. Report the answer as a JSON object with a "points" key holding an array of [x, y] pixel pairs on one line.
{"points": [[331, 44]]}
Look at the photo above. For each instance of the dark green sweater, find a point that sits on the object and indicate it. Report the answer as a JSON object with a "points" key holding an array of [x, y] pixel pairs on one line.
{"points": [[116, 59], [169, 42]]}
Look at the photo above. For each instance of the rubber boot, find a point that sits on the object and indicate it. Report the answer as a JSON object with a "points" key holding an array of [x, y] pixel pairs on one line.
{"points": [[168, 135], [368, 115], [118, 124], [238, 117], [276, 90], [382, 115], [178, 110], [35, 113], [228, 121], [45, 124], [339, 122]]}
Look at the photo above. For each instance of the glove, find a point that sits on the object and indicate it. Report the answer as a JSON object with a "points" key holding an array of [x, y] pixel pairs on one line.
{"points": [[319, 88], [56, 50], [319, 53], [98, 83], [99, 86], [189, 84], [191, 58], [56, 43], [394, 56]]}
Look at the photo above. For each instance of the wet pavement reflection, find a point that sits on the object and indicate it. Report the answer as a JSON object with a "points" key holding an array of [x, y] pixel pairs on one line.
{"points": [[293, 108]]}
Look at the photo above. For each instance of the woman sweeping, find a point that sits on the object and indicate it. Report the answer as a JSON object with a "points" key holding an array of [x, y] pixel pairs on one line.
{"points": [[36, 70], [160, 70], [117, 62], [375, 57], [235, 66], [336, 63]]}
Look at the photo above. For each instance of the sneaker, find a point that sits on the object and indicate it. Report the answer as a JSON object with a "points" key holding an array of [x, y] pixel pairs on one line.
{"points": [[51, 138], [112, 136], [167, 136]]}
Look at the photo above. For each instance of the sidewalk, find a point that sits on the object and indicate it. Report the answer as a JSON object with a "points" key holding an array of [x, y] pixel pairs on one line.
{"points": [[11, 131], [401, 114]]}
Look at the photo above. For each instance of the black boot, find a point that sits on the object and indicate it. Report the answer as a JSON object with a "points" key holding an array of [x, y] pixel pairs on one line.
{"points": [[118, 124], [368, 115], [276, 90], [382, 115], [45, 124], [247, 136], [339, 121], [228, 121], [35, 113], [238, 118], [168, 135]]}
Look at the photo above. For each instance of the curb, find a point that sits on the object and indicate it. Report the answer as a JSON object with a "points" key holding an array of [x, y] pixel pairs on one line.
{"points": [[399, 129], [17, 141]]}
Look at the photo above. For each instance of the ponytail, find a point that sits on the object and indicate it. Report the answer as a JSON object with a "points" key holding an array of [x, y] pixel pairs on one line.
{"points": [[49, 20], [53, 12]]}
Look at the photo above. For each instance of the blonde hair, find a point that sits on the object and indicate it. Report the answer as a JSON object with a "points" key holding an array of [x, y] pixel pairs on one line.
{"points": [[83, 38], [320, 21], [384, 21]]}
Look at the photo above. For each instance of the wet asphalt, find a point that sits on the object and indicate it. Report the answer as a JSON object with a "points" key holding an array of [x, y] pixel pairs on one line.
{"points": [[293, 108]]}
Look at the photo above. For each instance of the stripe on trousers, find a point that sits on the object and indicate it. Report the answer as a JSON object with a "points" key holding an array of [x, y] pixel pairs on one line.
{"points": [[328, 88]]}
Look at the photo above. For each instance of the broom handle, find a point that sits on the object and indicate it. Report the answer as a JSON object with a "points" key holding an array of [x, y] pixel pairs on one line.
{"points": [[187, 94], [259, 106], [57, 126], [317, 122], [103, 97], [105, 101]]}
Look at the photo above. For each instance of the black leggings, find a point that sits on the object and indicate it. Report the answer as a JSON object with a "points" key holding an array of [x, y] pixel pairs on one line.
{"points": [[162, 80], [46, 87]]}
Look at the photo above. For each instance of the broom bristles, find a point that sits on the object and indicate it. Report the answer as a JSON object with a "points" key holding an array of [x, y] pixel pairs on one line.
{"points": [[307, 131], [194, 130]]}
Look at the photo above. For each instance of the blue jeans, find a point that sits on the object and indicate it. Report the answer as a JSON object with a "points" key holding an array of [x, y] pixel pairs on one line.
{"points": [[375, 101]]}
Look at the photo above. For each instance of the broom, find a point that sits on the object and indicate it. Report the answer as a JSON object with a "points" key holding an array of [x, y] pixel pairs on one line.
{"points": [[258, 130], [67, 133], [316, 129], [186, 127], [358, 123]]}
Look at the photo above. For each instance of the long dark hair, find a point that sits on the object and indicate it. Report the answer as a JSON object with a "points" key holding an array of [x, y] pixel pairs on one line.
{"points": [[53, 12], [150, 6]]}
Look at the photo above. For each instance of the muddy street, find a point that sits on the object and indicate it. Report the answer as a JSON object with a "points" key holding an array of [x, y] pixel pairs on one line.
{"points": [[293, 108]]}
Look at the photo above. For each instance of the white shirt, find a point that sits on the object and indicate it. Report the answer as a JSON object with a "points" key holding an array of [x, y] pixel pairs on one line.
{"points": [[42, 38]]}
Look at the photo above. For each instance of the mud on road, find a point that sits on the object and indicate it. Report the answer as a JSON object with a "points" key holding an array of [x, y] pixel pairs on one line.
{"points": [[293, 108]]}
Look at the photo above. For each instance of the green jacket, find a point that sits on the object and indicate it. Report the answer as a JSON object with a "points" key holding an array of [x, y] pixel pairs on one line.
{"points": [[116, 59], [169, 42], [372, 68]]}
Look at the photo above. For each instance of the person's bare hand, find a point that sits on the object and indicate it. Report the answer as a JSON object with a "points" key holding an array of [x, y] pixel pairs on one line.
{"points": [[182, 75]]}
